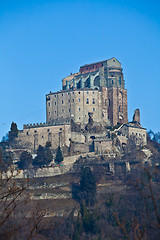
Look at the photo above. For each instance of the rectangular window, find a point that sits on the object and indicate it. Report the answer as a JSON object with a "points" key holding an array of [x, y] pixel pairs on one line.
{"points": [[73, 100], [93, 109], [55, 103], [62, 101], [69, 100], [87, 101], [93, 101], [79, 99], [48, 104], [79, 109], [69, 110]]}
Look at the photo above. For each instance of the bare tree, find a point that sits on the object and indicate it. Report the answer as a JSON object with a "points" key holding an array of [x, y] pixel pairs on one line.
{"points": [[18, 220]]}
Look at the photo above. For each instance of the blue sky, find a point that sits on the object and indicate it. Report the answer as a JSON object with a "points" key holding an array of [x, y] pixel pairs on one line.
{"points": [[43, 41]]}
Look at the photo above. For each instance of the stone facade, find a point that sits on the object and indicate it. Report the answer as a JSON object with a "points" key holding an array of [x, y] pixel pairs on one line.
{"points": [[132, 129], [79, 116], [35, 135], [97, 88]]}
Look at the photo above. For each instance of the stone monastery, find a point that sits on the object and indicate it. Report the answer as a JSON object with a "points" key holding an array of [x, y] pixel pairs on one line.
{"points": [[87, 114]]}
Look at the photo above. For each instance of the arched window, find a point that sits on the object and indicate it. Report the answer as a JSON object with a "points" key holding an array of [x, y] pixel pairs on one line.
{"points": [[87, 83], [97, 81]]}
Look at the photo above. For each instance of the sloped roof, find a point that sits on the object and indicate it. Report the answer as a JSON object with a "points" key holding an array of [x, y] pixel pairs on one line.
{"points": [[99, 62]]}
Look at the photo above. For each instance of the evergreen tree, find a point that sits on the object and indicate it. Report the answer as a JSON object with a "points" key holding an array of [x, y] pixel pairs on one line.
{"points": [[48, 153], [88, 186], [25, 160], [13, 132], [59, 156], [40, 159]]}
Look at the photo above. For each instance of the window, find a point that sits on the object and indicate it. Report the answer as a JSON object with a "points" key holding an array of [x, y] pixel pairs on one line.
{"points": [[35, 131], [55, 103], [109, 102], [87, 92], [62, 94], [79, 109], [69, 110], [62, 101], [93, 92], [79, 99], [49, 113], [55, 112], [79, 92], [93, 101], [55, 95], [68, 93], [60, 129], [48, 104], [73, 100], [79, 118], [93, 109], [27, 133], [62, 110], [42, 136], [69, 100], [87, 101], [48, 130], [73, 92]]}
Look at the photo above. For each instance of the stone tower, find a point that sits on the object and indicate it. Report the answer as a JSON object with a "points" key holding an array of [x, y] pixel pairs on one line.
{"points": [[97, 88], [136, 116]]}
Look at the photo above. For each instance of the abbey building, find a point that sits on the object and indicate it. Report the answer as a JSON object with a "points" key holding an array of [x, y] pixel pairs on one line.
{"points": [[87, 114], [97, 88]]}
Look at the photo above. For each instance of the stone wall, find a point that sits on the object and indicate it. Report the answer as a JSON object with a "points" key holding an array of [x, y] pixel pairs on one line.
{"points": [[108, 105], [36, 135]]}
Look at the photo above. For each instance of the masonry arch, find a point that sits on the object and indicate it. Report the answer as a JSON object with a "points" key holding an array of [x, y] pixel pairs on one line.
{"points": [[97, 81], [87, 83]]}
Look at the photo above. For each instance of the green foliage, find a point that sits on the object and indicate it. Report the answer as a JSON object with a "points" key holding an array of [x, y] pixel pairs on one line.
{"points": [[14, 131], [48, 154], [59, 156], [40, 158], [25, 160], [89, 219], [88, 186], [44, 156], [48, 144], [5, 138]]}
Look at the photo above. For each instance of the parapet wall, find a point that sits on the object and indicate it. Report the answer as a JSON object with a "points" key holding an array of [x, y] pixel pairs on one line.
{"points": [[54, 123]]}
